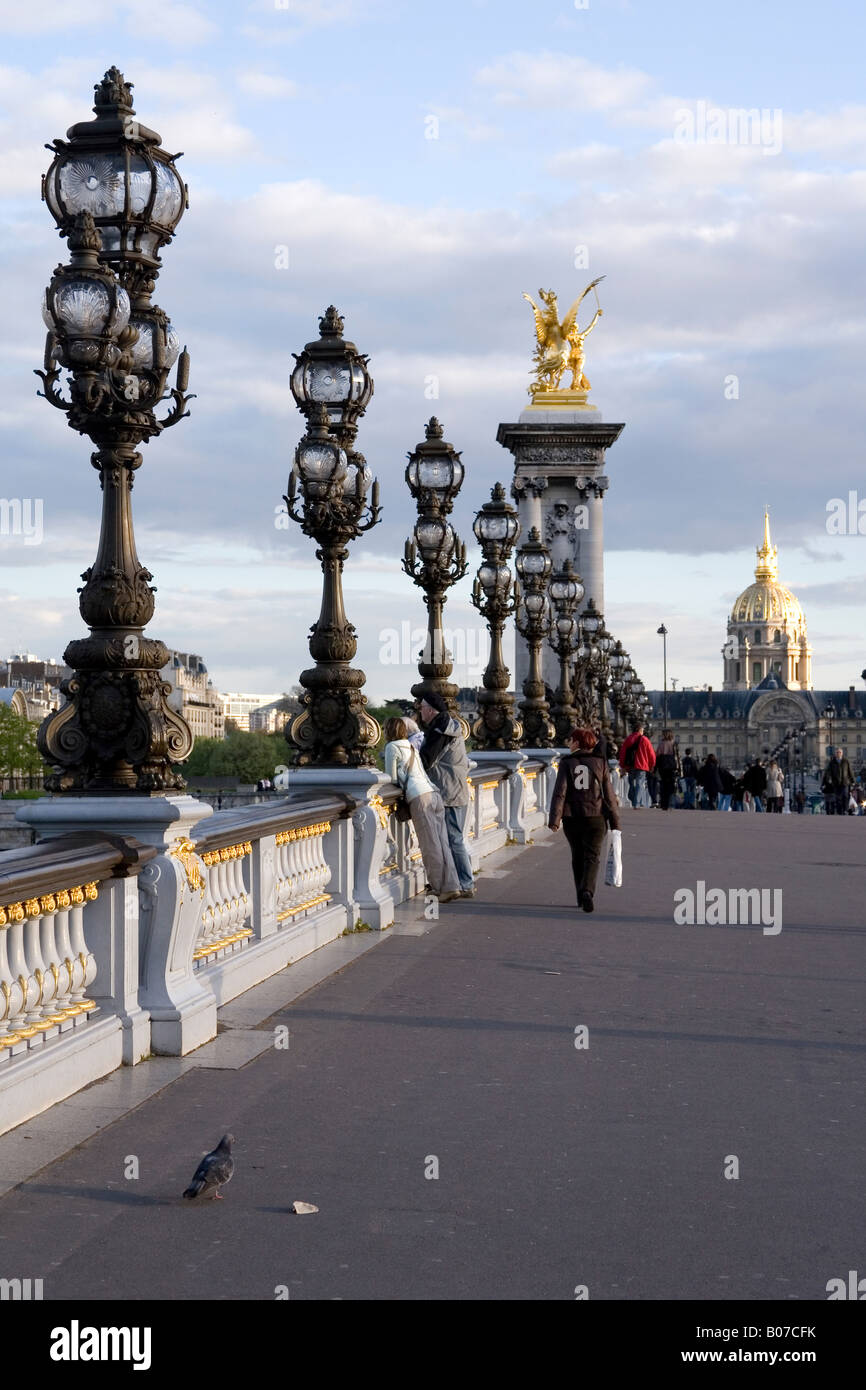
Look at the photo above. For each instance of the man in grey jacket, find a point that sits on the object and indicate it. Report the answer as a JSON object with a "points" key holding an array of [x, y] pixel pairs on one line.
{"points": [[443, 755]]}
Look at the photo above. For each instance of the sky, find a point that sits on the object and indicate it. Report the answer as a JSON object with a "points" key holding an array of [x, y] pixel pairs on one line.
{"points": [[421, 166]]}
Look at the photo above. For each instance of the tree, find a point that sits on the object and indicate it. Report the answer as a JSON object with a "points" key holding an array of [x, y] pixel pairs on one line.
{"points": [[244, 756], [19, 756]]}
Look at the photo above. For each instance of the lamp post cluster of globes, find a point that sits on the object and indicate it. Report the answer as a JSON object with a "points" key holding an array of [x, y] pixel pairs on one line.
{"points": [[117, 198], [792, 748]]}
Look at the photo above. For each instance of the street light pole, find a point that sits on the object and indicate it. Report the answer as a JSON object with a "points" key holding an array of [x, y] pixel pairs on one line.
{"points": [[434, 557], [331, 386], [117, 197], [566, 591], [662, 632], [496, 529], [532, 620]]}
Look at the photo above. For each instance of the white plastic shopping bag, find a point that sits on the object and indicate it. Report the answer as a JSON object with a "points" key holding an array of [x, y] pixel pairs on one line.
{"points": [[613, 859]]}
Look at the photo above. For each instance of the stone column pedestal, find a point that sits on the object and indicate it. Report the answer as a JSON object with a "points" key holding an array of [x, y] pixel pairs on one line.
{"points": [[162, 923], [368, 899], [559, 485]]}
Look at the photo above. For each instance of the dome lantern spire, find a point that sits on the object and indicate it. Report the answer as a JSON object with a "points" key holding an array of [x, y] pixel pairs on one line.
{"points": [[768, 564]]}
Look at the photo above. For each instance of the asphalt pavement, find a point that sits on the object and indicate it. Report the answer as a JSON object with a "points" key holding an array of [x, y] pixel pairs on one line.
{"points": [[519, 1101]]}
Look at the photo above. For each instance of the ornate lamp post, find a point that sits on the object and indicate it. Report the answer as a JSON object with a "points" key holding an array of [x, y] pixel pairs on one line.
{"points": [[603, 644], [587, 665], [496, 528], [434, 558], [117, 197], [616, 661], [331, 387], [566, 591], [532, 620]]}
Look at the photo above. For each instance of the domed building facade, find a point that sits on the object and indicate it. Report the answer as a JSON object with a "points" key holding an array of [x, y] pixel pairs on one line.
{"points": [[767, 631], [767, 706]]}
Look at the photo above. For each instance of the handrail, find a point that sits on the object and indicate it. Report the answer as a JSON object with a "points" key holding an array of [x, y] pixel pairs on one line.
{"points": [[38, 870], [285, 813]]}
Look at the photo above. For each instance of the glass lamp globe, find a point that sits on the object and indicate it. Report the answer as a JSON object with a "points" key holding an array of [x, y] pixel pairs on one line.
{"points": [[533, 563], [320, 465], [114, 168], [331, 372], [497, 524], [85, 312], [157, 347], [359, 477], [563, 589]]}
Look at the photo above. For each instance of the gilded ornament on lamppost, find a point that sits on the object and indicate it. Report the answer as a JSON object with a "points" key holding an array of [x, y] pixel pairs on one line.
{"points": [[117, 197], [560, 349], [435, 558]]}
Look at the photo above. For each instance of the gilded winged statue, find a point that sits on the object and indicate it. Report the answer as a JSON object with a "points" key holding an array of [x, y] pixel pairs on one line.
{"points": [[560, 345]]}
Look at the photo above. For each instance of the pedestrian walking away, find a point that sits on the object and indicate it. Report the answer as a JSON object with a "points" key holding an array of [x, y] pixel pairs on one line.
{"points": [[637, 758], [584, 804], [403, 766], [690, 774], [755, 783], [443, 754], [667, 766], [711, 780], [729, 782]]}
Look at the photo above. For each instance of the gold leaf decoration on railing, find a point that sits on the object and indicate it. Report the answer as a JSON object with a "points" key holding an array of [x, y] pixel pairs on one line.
{"points": [[222, 856], [303, 832], [59, 900], [377, 804], [184, 850]]}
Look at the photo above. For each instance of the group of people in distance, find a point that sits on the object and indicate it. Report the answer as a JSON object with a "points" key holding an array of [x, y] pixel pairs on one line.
{"points": [[430, 765], [659, 777]]}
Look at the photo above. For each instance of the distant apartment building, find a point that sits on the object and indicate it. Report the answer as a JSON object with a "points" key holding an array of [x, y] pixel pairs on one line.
{"points": [[31, 686], [240, 708], [193, 694], [272, 718]]}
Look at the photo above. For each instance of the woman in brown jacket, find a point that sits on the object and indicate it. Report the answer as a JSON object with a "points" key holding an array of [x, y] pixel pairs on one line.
{"points": [[585, 804]]}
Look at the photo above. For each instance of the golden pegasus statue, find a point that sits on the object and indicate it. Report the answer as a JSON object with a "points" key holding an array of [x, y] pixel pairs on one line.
{"points": [[560, 345]]}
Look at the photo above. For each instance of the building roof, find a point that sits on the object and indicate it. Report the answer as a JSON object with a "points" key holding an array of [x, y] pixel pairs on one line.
{"points": [[736, 704]]}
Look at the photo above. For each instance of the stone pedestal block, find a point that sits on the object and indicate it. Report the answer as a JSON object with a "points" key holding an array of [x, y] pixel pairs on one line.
{"points": [[559, 485]]}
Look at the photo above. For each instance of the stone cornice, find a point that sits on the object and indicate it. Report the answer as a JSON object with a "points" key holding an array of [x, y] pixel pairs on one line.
{"points": [[594, 436]]}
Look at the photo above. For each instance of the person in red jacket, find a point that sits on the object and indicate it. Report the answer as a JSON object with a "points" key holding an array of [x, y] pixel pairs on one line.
{"points": [[636, 757]]}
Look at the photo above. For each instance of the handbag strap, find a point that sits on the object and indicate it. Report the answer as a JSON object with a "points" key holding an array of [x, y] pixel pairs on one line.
{"points": [[403, 785]]}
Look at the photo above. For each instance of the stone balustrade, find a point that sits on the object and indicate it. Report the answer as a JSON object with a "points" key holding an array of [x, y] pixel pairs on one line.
{"points": [[113, 947]]}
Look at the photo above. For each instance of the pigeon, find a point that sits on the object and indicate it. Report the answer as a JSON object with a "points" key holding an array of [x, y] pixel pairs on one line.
{"points": [[214, 1170]]}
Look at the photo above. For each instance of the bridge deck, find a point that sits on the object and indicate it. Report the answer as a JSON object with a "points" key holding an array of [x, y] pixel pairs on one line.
{"points": [[557, 1166]]}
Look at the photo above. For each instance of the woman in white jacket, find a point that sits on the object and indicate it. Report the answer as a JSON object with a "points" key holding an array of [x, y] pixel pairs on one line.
{"points": [[775, 787], [403, 766]]}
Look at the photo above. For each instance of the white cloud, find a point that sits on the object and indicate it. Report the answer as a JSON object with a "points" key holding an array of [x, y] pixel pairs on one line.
{"points": [[454, 118], [180, 24], [188, 106], [266, 85], [561, 81], [291, 18]]}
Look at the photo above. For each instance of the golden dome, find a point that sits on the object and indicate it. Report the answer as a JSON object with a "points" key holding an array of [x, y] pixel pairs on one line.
{"points": [[767, 600]]}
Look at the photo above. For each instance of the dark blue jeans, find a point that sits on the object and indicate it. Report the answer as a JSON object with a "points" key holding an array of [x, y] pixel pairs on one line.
{"points": [[455, 819]]}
